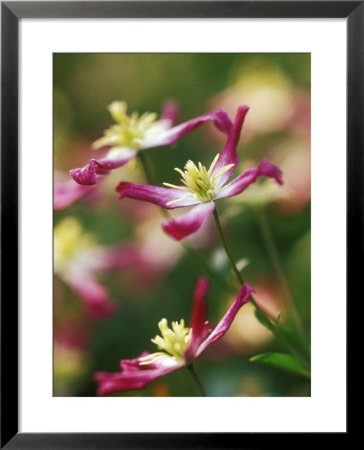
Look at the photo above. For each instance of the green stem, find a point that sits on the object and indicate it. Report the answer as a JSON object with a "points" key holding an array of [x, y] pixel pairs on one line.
{"points": [[233, 265], [226, 248], [274, 256], [192, 370], [264, 318], [147, 174], [145, 166]]}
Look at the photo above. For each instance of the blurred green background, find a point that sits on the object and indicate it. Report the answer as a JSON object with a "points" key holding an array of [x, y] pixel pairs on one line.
{"points": [[277, 89]]}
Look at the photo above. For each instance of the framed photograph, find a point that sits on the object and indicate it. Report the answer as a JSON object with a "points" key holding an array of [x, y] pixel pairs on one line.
{"points": [[181, 212]]}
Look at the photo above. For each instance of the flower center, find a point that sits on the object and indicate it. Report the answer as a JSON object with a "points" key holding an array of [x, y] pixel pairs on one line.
{"points": [[173, 341], [198, 181], [129, 131]]}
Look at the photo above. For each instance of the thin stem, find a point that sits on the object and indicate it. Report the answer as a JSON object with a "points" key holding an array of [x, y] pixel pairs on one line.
{"points": [[145, 166], [264, 318], [233, 265], [192, 370], [148, 177], [226, 248], [274, 256]]}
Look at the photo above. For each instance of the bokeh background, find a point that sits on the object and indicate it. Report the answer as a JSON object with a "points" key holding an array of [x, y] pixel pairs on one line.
{"points": [[268, 228]]}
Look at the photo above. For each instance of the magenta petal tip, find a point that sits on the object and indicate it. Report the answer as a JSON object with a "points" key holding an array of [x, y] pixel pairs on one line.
{"points": [[244, 293], [270, 170], [85, 176]]}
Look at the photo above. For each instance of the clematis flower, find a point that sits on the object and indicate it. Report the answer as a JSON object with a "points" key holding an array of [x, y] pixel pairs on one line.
{"points": [[178, 345], [78, 259], [135, 133], [201, 186]]}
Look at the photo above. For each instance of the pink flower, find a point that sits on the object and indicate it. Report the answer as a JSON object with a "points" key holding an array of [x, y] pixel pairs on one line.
{"points": [[135, 133], [201, 186], [78, 259], [179, 346]]}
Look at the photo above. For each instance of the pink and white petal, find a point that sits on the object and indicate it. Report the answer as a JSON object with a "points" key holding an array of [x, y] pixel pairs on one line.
{"points": [[224, 324], [133, 379], [65, 193], [229, 154], [93, 294], [170, 112], [241, 182], [188, 223], [88, 175], [155, 194], [219, 117], [132, 365], [198, 322]]}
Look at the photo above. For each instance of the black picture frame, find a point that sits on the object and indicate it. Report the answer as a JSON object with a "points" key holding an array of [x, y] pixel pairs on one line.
{"points": [[11, 13]]}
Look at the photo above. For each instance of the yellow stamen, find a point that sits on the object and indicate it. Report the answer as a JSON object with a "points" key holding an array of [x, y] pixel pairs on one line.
{"points": [[173, 341], [129, 131], [199, 183]]}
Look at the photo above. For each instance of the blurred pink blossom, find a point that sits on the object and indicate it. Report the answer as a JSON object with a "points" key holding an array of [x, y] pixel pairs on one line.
{"points": [[78, 259]]}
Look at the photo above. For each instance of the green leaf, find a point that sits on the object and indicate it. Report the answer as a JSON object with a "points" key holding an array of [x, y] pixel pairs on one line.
{"points": [[282, 361]]}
